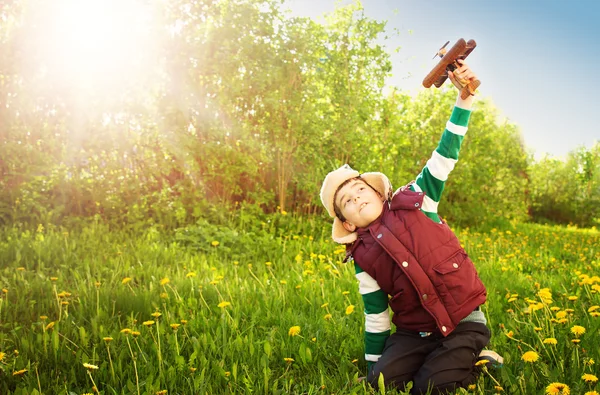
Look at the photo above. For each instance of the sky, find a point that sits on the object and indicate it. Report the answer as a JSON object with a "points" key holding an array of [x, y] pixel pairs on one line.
{"points": [[538, 60]]}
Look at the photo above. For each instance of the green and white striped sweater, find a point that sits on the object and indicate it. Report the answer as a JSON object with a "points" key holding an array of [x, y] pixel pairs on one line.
{"points": [[431, 180]]}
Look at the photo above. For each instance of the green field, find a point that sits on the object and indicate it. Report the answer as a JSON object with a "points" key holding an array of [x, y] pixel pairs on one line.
{"points": [[269, 309]]}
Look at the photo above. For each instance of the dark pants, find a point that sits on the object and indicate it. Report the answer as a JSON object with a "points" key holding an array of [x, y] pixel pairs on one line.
{"points": [[436, 363]]}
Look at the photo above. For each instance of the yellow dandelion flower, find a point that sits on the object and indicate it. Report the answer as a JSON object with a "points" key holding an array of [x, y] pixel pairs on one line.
{"points": [[21, 269], [19, 372], [472, 387], [350, 309], [589, 378], [288, 360], [354, 360], [561, 314], [551, 340], [510, 334], [563, 321], [554, 308], [537, 329], [215, 243], [135, 333], [481, 362], [595, 314], [512, 300], [164, 295], [165, 281], [126, 280], [2, 355], [224, 304], [53, 278], [193, 369], [50, 325], [156, 314], [593, 308], [161, 392], [573, 298], [577, 330], [4, 290], [175, 326], [107, 339], [558, 388], [575, 341], [590, 362], [268, 263], [530, 356], [89, 366], [148, 323], [327, 316], [183, 322], [294, 331], [227, 374], [324, 305], [498, 388], [126, 331], [43, 317], [191, 274], [592, 393], [314, 339], [346, 293], [282, 282]]}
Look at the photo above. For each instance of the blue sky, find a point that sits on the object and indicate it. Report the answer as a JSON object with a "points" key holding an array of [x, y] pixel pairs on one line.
{"points": [[538, 60]]}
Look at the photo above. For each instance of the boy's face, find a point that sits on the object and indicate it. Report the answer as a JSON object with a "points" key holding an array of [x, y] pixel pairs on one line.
{"points": [[359, 204]]}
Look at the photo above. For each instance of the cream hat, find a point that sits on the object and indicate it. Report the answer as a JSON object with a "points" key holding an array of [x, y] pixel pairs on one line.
{"points": [[332, 182]]}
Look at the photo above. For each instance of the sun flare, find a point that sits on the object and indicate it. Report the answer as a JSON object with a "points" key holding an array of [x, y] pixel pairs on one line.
{"points": [[83, 43]]}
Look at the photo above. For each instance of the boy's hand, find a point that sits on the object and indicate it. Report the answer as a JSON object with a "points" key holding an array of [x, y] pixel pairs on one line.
{"points": [[462, 75]]}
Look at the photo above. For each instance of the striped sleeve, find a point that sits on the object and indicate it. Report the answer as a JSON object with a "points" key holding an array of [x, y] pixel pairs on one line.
{"points": [[433, 177], [377, 318]]}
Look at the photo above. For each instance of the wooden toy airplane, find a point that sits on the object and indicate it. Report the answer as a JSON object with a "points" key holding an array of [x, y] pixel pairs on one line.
{"points": [[439, 74]]}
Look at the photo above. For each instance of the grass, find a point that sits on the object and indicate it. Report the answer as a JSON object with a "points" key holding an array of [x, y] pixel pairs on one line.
{"points": [[268, 308]]}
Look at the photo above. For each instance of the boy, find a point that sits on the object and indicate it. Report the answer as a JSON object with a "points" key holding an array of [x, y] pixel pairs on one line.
{"points": [[402, 248]]}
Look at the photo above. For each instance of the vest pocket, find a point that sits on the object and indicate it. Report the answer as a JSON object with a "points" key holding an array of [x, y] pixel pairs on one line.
{"points": [[456, 273]]}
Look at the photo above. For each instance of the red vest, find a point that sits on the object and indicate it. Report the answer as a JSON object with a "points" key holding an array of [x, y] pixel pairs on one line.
{"points": [[432, 282]]}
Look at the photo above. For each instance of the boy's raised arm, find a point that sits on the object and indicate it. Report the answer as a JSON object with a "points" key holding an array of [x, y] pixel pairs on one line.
{"points": [[434, 174]]}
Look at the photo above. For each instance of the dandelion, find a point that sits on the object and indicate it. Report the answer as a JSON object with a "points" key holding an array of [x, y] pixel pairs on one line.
{"points": [[558, 388], [107, 339], [551, 340], [294, 331], [227, 374], [19, 372], [136, 333], [354, 360], [214, 243], [481, 362], [49, 326], [573, 298], [561, 314], [224, 304], [288, 360], [2, 355], [89, 366], [590, 361], [193, 369], [126, 331], [589, 378], [592, 393], [530, 356], [53, 278], [43, 317], [346, 293], [268, 263], [577, 330], [148, 323], [472, 387], [575, 341], [161, 392], [175, 326], [183, 322], [126, 280], [156, 314], [165, 281], [327, 316], [324, 305], [350, 309], [593, 308], [283, 282], [191, 274], [498, 388]]}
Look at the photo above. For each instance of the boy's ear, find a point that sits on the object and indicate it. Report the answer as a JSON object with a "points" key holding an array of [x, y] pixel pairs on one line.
{"points": [[349, 227]]}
